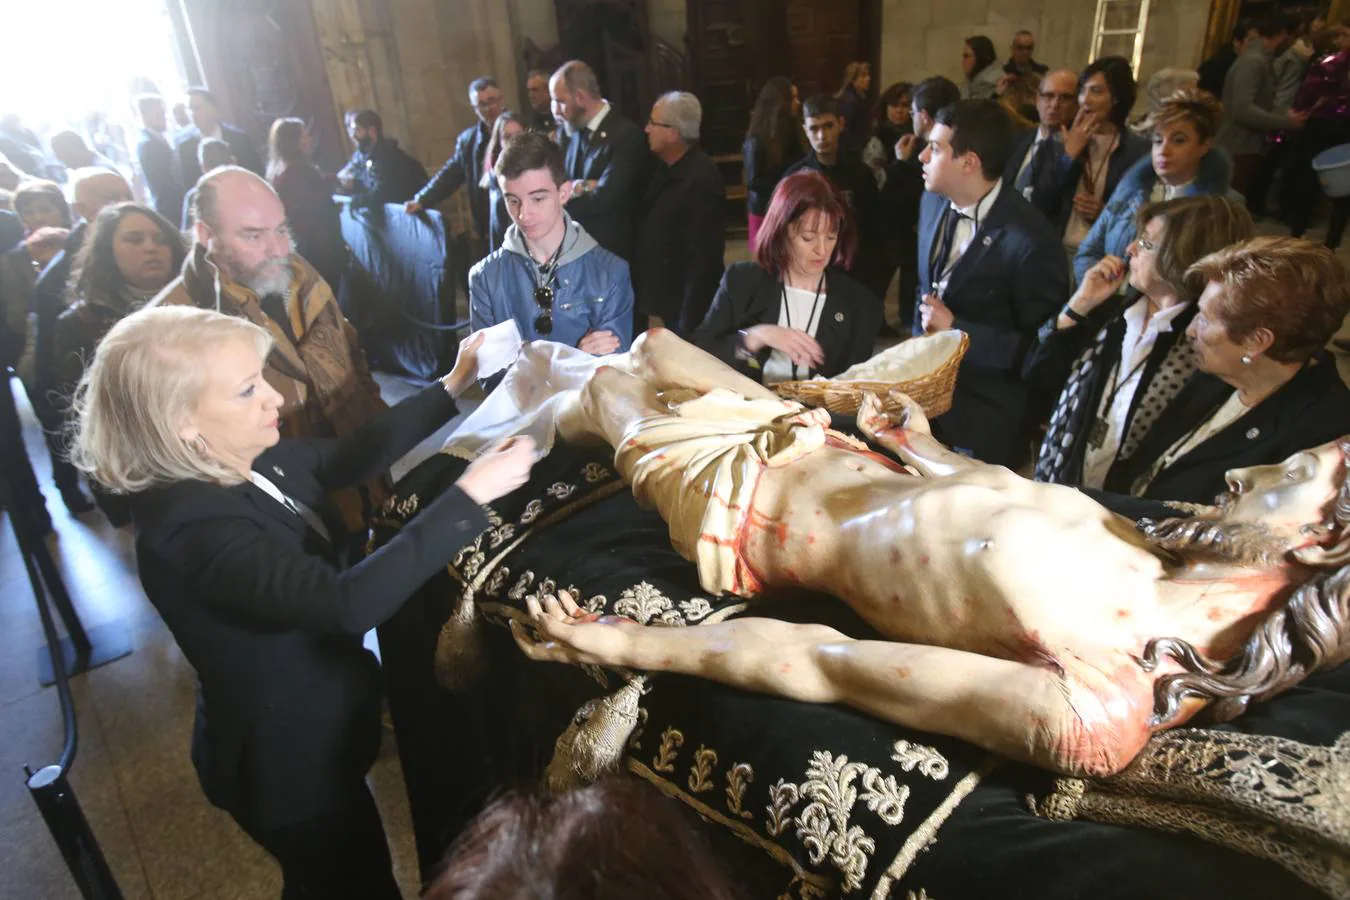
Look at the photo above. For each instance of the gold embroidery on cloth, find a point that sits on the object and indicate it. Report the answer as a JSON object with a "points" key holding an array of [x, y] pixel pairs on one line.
{"points": [[745, 832], [823, 825], [596, 604], [928, 761], [561, 490], [594, 472], [695, 608], [783, 795], [738, 779], [1269, 797], [642, 603], [532, 511], [593, 744], [705, 760], [884, 796], [671, 741]]}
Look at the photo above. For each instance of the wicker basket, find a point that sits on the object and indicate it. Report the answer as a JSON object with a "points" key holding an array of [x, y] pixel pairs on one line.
{"points": [[932, 391]]}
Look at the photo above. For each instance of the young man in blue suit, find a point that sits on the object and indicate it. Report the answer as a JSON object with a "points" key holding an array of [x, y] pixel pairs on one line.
{"points": [[989, 265]]}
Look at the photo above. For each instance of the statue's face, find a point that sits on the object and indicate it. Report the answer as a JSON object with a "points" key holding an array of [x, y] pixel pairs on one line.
{"points": [[1286, 497]]}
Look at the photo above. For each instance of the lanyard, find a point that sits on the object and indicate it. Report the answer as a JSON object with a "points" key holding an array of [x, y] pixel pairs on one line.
{"points": [[787, 313]]}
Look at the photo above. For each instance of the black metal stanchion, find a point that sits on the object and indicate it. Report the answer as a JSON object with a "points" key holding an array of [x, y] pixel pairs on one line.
{"points": [[50, 789]]}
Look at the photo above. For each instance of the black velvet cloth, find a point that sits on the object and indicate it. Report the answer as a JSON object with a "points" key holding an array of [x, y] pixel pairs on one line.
{"points": [[727, 753]]}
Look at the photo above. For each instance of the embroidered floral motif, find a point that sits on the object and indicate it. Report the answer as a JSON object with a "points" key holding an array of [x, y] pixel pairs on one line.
{"points": [[884, 796], [695, 608], [596, 604], [521, 587], [671, 741], [498, 536], [921, 895], [561, 490], [473, 564], [705, 760], [928, 761], [497, 581], [467, 551], [783, 796], [672, 618], [595, 472], [823, 826], [641, 602], [738, 779], [532, 511], [404, 509], [494, 518]]}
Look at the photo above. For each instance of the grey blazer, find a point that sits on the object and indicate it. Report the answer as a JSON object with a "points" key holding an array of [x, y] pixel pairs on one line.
{"points": [[1248, 99]]}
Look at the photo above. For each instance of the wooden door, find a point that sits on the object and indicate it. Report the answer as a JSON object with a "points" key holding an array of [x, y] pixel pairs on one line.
{"points": [[823, 36], [719, 40]]}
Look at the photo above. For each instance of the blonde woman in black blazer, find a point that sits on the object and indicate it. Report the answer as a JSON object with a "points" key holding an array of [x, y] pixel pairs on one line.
{"points": [[792, 314], [235, 551]]}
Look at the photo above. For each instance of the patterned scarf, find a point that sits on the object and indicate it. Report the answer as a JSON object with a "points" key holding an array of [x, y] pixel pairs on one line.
{"points": [[1072, 417], [322, 388]]}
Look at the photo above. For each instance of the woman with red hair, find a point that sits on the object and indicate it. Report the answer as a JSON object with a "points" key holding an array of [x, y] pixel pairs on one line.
{"points": [[793, 313]]}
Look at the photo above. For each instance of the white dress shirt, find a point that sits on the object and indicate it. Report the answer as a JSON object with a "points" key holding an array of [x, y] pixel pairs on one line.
{"points": [[311, 518], [965, 234], [1118, 396], [796, 313], [1041, 136]]}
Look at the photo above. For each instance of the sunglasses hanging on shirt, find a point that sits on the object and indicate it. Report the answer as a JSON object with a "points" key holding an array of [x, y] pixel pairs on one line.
{"points": [[543, 289]]}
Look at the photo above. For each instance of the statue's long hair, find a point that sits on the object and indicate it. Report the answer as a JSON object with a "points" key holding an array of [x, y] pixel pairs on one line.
{"points": [[1310, 631]]}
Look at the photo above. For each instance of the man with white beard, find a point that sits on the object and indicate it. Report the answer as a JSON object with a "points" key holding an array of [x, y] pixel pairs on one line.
{"points": [[243, 263]]}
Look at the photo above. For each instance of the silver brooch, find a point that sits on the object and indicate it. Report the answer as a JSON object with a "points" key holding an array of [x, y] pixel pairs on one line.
{"points": [[987, 240], [1253, 433], [280, 473], [839, 317]]}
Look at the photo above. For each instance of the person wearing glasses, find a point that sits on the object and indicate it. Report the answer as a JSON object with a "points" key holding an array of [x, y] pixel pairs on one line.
{"points": [[682, 234], [549, 275], [1117, 354], [1022, 61], [465, 166], [1183, 163], [1033, 152]]}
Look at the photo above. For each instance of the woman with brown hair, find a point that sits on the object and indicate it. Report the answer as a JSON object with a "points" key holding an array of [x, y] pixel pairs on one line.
{"points": [[307, 195], [507, 126], [1118, 359], [772, 144], [853, 106], [613, 840], [1265, 388]]}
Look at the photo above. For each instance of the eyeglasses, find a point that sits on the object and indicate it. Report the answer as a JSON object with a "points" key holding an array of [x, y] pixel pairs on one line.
{"points": [[1145, 244], [543, 323]]}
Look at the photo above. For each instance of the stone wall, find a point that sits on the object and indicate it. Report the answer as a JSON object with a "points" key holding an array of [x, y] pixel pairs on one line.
{"points": [[924, 37]]}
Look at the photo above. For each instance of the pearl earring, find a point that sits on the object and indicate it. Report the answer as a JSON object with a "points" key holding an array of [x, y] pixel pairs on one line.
{"points": [[1246, 359]]}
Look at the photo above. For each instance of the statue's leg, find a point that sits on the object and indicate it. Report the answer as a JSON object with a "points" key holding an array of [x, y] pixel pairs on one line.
{"points": [[664, 360], [611, 401]]}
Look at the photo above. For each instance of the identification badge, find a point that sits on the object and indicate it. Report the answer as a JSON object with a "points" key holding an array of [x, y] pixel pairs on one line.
{"points": [[1097, 434]]}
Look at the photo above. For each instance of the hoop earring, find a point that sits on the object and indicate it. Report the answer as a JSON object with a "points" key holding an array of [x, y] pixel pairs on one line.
{"points": [[197, 445]]}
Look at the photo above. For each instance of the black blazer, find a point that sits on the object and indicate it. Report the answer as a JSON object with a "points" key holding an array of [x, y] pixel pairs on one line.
{"points": [[750, 296], [1311, 409], [189, 169], [385, 174], [616, 156], [156, 159], [464, 167], [761, 176], [288, 712], [681, 241], [1012, 278], [1045, 167], [1055, 189]]}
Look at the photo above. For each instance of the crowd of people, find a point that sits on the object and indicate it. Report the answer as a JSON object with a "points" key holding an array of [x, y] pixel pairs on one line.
{"points": [[1129, 332]]}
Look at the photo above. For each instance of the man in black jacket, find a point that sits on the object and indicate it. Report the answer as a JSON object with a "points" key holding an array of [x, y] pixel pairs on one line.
{"points": [[607, 158], [989, 265], [853, 179], [1032, 161], [155, 158], [682, 236], [380, 171], [465, 165], [206, 123]]}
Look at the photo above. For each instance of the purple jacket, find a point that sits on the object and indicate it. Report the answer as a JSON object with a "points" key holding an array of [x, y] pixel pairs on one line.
{"points": [[1325, 93]]}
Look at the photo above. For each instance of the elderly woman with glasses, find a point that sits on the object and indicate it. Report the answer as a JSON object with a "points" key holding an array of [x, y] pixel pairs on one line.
{"points": [[1118, 357], [236, 548]]}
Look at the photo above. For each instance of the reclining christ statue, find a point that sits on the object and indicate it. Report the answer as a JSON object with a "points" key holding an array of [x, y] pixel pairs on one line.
{"points": [[1022, 617]]}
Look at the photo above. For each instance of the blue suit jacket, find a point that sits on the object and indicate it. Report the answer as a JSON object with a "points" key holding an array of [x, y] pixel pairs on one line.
{"points": [[1012, 278]]}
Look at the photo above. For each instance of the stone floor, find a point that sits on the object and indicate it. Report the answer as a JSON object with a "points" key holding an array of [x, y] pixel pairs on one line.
{"points": [[132, 775]]}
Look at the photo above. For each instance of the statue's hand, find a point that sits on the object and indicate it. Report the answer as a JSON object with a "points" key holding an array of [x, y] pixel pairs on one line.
{"points": [[569, 634], [872, 419], [912, 416]]}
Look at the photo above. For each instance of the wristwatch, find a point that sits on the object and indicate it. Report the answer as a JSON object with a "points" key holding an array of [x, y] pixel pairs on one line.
{"points": [[1074, 314]]}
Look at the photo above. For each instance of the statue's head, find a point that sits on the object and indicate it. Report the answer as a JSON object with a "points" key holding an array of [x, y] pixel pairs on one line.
{"points": [[1295, 511]]}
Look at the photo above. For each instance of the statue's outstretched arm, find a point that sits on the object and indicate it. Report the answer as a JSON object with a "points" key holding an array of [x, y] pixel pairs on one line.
{"points": [[909, 438], [1076, 723]]}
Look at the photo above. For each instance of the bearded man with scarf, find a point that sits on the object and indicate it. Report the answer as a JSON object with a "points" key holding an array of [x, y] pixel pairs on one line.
{"points": [[243, 263]]}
